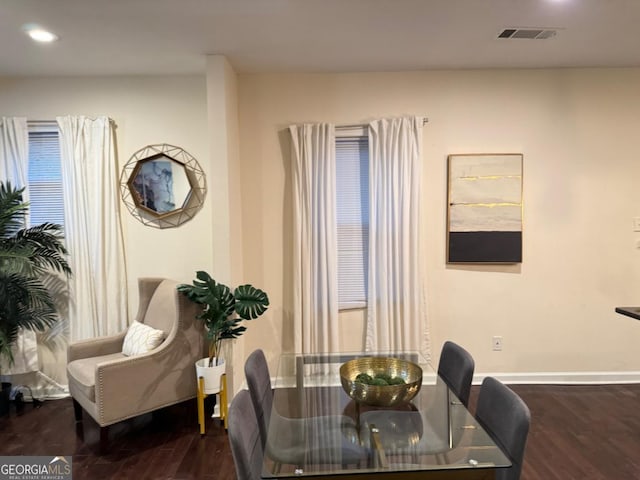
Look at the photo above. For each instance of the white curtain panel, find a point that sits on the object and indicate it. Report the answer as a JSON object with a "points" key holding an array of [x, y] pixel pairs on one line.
{"points": [[14, 151], [315, 264], [14, 167], [396, 314], [98, 287]]}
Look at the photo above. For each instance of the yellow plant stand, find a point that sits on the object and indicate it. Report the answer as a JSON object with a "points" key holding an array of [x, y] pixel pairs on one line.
{"points": [[222, 402]]}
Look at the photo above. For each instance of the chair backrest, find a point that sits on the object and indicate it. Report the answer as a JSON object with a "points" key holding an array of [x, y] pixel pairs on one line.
{"points": [[256, 370], [506, 418], [244, 437], [456, 368], [157, 303]]}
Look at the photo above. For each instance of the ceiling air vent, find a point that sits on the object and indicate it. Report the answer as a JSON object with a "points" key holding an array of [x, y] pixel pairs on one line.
{"points": [[528, 33]]}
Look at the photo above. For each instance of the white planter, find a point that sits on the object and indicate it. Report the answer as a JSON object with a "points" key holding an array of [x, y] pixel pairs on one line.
{"points": [[211, 375]]}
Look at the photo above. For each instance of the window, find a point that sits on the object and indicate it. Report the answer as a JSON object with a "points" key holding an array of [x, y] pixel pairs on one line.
{"points": [[352, 205], [45, 176]]}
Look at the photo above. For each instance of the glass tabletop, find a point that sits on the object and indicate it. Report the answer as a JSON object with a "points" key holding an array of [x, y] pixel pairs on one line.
{"points": [[316, 429]]}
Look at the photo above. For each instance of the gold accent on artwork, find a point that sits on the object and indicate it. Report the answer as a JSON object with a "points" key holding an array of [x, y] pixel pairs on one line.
{"points": [[489, 205], [474, 178]]}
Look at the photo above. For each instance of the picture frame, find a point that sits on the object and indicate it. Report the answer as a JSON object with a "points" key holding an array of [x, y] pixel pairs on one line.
{"points": [[163, 186], [484, 208]]}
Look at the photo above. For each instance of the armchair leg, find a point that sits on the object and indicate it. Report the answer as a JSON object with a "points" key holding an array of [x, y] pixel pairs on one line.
{"points": [[104, 439], [77, 411]]}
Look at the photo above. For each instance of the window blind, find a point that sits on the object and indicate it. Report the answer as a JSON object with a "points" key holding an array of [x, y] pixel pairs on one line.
{"points": [[352, 205], [45, 178]]}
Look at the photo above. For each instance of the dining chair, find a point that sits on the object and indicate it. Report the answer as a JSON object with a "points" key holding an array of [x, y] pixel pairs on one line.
{"points": [[456, 368], [300, 440], [506, 418], [256, 371], [244, 437]]}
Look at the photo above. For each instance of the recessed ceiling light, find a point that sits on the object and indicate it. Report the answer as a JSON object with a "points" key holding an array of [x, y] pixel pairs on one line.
{"points": [[39, 34]]}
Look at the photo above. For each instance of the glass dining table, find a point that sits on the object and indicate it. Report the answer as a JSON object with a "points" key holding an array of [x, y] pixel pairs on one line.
{"points": [[317, 431]]}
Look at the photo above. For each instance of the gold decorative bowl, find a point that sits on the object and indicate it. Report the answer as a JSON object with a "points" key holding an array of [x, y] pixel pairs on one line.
{"points": [[381, 395]]}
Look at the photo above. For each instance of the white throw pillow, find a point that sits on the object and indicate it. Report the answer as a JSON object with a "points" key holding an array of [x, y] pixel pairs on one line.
{"points": [[141, 338]]}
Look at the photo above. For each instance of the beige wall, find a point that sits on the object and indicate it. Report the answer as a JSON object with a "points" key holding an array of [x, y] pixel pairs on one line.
{"points": [[578, 131], [147, 110]]}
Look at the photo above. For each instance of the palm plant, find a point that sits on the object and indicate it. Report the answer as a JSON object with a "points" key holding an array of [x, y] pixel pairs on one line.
{"points": [[220, 307], [26, 255]]}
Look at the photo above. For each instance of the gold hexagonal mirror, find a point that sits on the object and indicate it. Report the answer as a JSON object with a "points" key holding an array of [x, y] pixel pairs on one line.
{"points": [[163, 186]]}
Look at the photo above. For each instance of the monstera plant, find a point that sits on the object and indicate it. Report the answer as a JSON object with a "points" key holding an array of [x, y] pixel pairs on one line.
{"points": [[223, 310], [27, 255]]}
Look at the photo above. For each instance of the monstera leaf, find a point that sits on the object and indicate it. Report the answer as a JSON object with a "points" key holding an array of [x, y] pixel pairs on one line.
{"points": [[251, 302], [220, 305]]}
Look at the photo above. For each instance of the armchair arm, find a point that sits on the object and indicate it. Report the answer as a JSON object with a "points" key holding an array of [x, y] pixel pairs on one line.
{"points": [[135, 385], [95, 347]]}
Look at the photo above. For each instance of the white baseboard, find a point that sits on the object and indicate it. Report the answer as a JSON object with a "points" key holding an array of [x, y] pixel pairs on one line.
{"points": [[562, 378], [533, 378]]}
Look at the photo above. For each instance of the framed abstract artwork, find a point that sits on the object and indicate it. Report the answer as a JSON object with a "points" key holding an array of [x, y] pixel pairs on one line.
{"points": [[484, 218], [163, 186]]}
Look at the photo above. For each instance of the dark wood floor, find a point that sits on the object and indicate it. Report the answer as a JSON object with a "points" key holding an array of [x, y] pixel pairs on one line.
{"points": [[577, 432]]}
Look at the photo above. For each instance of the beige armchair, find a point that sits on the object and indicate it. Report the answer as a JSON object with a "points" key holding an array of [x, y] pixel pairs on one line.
{"points": [[112, 387]]}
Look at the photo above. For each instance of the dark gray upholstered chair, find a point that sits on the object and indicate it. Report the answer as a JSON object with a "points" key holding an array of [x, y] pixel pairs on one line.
{"points": [[456, 368], [256, 371], [311, 440], [244, 437], [506, 418]]}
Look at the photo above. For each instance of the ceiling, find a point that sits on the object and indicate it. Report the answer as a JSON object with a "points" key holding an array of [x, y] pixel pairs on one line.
{"points": [[138, 37]]}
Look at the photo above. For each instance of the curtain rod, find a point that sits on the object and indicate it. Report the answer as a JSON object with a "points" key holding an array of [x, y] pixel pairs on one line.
{"points": [[51, 123], [111, 120], [425, 120]]}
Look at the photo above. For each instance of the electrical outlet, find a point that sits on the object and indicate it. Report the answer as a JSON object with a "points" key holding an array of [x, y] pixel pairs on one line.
{"points": [[496, 343]]}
